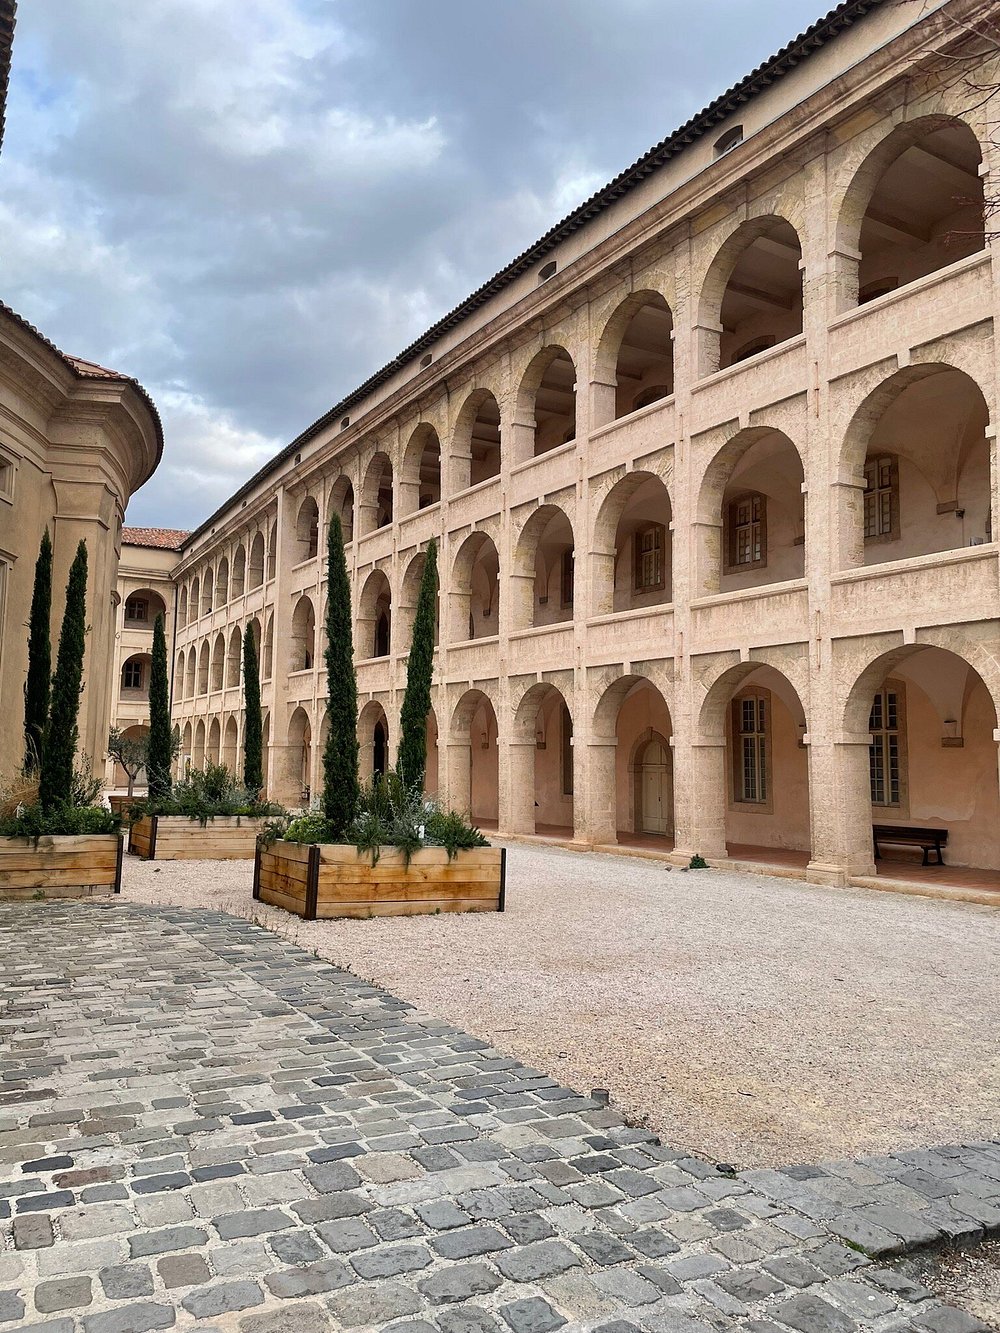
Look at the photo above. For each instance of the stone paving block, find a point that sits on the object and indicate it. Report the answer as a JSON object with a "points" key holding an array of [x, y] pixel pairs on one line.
{"points": [[809, 1313], [465, 1319], [390, 1260], [304, 1317], [461, 1282], [170, 1238], [346, 1235], [223, 1298], [182, 1270], [139, 1318], [125, 1282], [946, 1319], [253, 1222], [311, 1280], [467, 1242], [11, 1306], [64, 1293], [625, 1286], [33, 1232], [373, 1305], [99, 1220], [531, 1315]]}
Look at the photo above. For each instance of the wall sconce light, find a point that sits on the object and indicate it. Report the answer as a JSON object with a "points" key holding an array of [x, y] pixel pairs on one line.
{"points": [[951, 738]]}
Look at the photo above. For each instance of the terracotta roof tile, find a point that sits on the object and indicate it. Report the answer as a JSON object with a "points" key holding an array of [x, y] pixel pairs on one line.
{"points": [[165, 539]]}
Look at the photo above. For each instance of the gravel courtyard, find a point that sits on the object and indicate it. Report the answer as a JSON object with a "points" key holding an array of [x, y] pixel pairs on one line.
{"points": [[760, 1021]]}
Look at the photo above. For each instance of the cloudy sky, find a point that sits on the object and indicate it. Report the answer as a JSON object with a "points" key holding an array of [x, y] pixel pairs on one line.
{"points": [[250, 205]]}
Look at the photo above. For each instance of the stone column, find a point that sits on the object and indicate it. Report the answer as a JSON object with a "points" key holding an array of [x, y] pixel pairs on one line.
{"points": [[517, 787], [700, 773], [853, 807], [596, 822]]}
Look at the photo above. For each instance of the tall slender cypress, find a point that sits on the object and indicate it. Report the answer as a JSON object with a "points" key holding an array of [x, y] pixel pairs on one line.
{"points": [[340, 755], [160, 741], [38, 683], [412, 759], [253, 727], [55, 785]]}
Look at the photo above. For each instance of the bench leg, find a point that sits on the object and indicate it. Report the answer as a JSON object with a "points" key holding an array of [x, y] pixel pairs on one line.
{"points": [[925, 860]]}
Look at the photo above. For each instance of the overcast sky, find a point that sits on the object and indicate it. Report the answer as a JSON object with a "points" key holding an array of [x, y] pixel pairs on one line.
{"points": [[251, 205]]}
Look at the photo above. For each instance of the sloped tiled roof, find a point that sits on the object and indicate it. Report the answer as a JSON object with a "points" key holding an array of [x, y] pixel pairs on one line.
{"points": [[165, 539], [800, 48], [8, 9]]}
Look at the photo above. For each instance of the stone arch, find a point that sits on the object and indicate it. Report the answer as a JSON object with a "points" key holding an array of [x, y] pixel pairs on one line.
{"points": [[298, 757], [409, 592], [272, 551], [376, 504], [218, 677], [141, 607], [307, 530], [239, 571], [375, 616], [213, 751], [195, 602], [179, 673], [267, 649], [255, 570], [546, 403], [198, 753], [182, 608], [184, 758], [474, 758], [207, 593], [914, 204], [476, 450], [542, 763], [420, 471], [342, 504], [633, 546], [373, 741], [542, 583], [234, 658], [927, 424], [303, 644], [134, 679], [204, 661], [635, 358], [231, 746], [751, 296], [190, 677], [631, 789], [474, 589]]}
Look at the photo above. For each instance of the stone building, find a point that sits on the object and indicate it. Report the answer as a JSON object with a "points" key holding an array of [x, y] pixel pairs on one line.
{"points": [[712, 471], [76, 440], [145, 590]]}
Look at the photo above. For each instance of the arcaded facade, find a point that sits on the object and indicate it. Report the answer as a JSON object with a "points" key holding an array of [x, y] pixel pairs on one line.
{"points": [[712, 472]]}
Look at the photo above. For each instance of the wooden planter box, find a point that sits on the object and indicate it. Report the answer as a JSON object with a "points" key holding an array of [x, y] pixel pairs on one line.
{"points": [[324, 880], [72, 865], [179, 838]]}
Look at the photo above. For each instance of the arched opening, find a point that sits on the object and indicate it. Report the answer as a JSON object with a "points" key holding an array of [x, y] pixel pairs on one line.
{"points": [[182, 608], [141, 609], [475, 453], [139, 780], [633, 546], [376, 495], [267, 649], [298, 757], [547, 401], [255, 633], [915, 206], [231, 747], [751, 512], [255, 573], [755, 787], [917, 450], [752, 297], [207, 594], [203, 668], [234, 659], [542, 768], [543, 582], [307, 530], [408, 596], [239, 571], [475, 590], [474, 757], [373, 741], [342, 504], [191, 674], [266, 748], [213, 753], [303, 646], [631, 772], [195, 602], [198, 754], [420, 477], [184, 758], [375, 616], [218, 678], [272, 551], [179, 673], [222, 583], [931, 761], [635, 364], [135, 677], [431, 768]]}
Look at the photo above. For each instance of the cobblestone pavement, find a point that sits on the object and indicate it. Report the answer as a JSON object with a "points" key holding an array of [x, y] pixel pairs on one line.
{"points": [[201, 1125]]}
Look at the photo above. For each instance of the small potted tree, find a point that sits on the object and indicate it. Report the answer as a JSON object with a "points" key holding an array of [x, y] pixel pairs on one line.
{"points": [[55, 842], [382, 850], [207, 816]]}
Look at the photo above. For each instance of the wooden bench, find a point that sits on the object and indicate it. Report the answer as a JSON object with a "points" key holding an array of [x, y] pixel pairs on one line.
{"points": [[927, 839]]}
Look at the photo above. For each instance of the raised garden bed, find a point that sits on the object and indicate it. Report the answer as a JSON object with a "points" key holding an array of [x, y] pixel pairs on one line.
{"points": [[72, 865], [181, 838], [318, 881]]}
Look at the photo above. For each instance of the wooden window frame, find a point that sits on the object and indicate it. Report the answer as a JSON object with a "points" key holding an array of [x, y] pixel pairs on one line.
{"points": [[733, 566], [892, 490], [128, 667], [567, 578], [900, 807], [566, 783], [659, 532], [763, 750], [137, 620]]}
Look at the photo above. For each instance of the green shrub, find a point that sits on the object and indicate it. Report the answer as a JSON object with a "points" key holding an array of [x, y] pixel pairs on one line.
{"points": [[32, 821], [203, 795]]}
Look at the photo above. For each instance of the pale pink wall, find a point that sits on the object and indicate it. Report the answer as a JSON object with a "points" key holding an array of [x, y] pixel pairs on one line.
{"points": [[786, 822], [551, 806], [484, 767], [642, 711]]}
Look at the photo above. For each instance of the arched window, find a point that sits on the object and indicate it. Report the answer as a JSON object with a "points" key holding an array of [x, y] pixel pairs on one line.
{"points": [[725, 143]]}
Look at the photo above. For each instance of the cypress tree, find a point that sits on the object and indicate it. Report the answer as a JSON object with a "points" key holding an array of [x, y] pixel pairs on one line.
{"points": [[160, 740], [55, 786], [38, 683], [253, 731], [412, 760], [340, 755]]}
